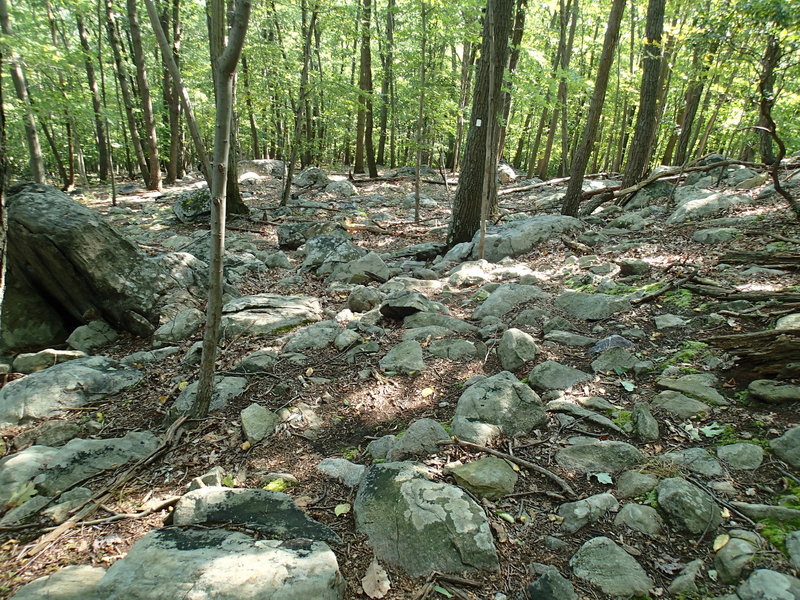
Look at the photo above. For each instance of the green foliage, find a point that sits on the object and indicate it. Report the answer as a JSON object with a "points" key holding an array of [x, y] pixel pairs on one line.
{"points": [[278, 485], [682, 298], [691, 351], [623, 418], [776, 531]]}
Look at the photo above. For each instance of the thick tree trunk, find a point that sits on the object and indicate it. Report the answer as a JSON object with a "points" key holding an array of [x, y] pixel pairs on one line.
{"points": [[421, 109], [467, 58], [99, 120], [466, 216], [572, 198]]}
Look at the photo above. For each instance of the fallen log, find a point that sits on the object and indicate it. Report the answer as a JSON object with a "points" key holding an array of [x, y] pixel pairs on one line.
{"points": [[769, 260], [765, 352]]}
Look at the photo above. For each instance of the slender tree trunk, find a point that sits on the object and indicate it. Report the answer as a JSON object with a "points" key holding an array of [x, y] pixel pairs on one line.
{"points": [[364, 121], [21, 88], [62, 171], [99, 120], [170, 21], [572, 198], [645, 130], [766, 96], [467, 58], [513, 59], [251, 117], [386, 83], [466, 216], [421, 108], [562, 91], [523, 138]]}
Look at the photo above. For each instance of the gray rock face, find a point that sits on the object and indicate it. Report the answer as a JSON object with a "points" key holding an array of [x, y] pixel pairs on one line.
{"points": [[764, 584], [521, 235], [644, 422], [312, 176], [75, 582], [343, 470], [16, 470], [551, 375], [266, 167], [580, 513], [569, 339], [698, 385], [687, 506], [363, 299], [591, 307], [515, 349], [426, 319], [92, 336], [36, 361], [614, 360], [361, 270], [496, 406], [420, 525], [293, 235], [48, 433], [603, 564], [736, 555], [260, 360], [273, 514], [420, 440], [405, 358], [695, 459], [640, 517], [326, 252], [741, 456], [149, 356], [715, 235], [225, 388], [225, 565], [786, 447], [550, 585], [184, 325], [768, 390], [68, 385], [669, 322], [258, 422], [194, 205], [344, 189], [488, 477], [399, 305], [506, 297], [453, 349], [599, 457], [696, 203], [266, 314], [312, 337], [680, 405], [582, 413]]}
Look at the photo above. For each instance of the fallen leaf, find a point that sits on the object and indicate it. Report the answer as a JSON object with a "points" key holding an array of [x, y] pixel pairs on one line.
{"points": [[246, 445], [303, 501], [720, 541], [375, 582], [442, 591], [604, 478], [182, 385], [341, 509], [309, 371], [428, 391]]}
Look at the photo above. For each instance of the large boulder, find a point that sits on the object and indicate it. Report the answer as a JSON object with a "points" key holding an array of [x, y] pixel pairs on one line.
{"points": [[266, 314], [521, 235], [75, 582], [266, 167]]}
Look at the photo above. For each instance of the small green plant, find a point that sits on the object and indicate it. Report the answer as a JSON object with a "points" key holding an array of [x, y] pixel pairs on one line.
{"points": [[690, 351], [776, 531], [229, 481], [682, 298], [278, 485], [623, 418], [651, 498], [350, 453]]}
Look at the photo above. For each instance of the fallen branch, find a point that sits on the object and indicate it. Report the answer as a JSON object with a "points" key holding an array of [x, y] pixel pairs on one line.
{"points": [[533, 186], [565, 487]]}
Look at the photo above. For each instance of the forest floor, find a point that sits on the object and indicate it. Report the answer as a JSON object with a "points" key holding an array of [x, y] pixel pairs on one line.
{"points": [[355, 403]]}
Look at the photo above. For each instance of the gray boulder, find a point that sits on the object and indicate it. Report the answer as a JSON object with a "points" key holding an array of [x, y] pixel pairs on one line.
{"points": [[614, 360], [324, 253], [697, 385], [488, 477], [363, 299], [551, 375], [343, 189], [694, 203], [605, 456], [785, 447], [687, 506], [768, 390], [633, 483], [361, 270], [644, 422], [506, 297], [194, 205], [453, 349], [266, 167], [402, 304], [427, 319], [343, 470], [30, 362], [582, 512], [75, 582], [741, 456], [422, 526], [715, 235], [515, 349], [698, 460], [603, 564], [550, 585], [737, 554], [404, 358], [225, 388], [312, 337], [258, 422], [420, 440], [88, 338], [312, 176], [266, 314], [591, 307], [180, 328], [640, 517], [224, 565], [765, 584], [680, 405], [521, 235], [67, 385]]}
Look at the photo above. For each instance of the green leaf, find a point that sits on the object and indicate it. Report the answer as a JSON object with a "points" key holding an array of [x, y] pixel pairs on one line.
{"points": [[712, 429], [604, 478], [628, 385], [442, 591], [341, 509]]}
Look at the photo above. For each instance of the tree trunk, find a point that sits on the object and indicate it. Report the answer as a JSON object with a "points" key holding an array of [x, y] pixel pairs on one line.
{"points": [[466, 216], [153, 181], [21, 88], [467, 58], [766, 95], [386, 83], [99, 122], [251, 117], [572, 198], [421, 109], [513, 59], [646, 119], [364, 123], [170, 19]]}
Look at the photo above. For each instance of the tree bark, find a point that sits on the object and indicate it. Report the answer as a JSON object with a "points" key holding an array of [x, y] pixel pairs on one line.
{"points": [[421, 109], [99, 122], [513, 60], [572, 198], [251, 117], [766, 95], [386, 84], [466, 215], [364, 122]]}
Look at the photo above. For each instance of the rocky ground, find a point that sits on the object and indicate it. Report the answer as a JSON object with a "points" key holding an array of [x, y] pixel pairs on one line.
{"points": [[568, 419]]}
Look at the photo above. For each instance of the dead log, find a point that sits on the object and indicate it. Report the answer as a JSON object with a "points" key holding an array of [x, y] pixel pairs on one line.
{"points": [[762, 352], [727, 294], [769, 260]]}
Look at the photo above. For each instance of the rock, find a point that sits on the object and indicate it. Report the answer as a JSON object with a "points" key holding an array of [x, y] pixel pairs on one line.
{"points": [[399, 305], [419, 440], [293, 235], [16, 470], [343, 188], [631, 484], [521, 235], [312, 337], [75, 582], [506, 174], [684, 583], [608, 343], [324, 253], [267, 314], [680, 405], [426, 319], [312, 176], [182, 327], [604, 564], [793, 548], [644, 423], [582, 413], [614, 360], [256, 362], [633, 266], [343, 470], [550, 585], [569, 339], [764, 584], [425, 201], [791, 321], [736, 555], [404, 358], [741, 456], [361, 270], [496, 406], [402, 283], [379, 449], [599, 457], [36, 361], [422, 526], [225, 565], [364, 299], [687, 506], [68, 385], [272, 514], [191, 206], [225, 388], [506, 297], [453, 349], [696, 203], [716, 235], [422, 252], [591, 307], [257, 422], [48, 433], [768, 390], [149, 356], [471, 273], [91, 336], [266, 167], [212, 478], [640, 517], [767, 511], [591, 509], [698, 460], [667, 321], [785, 447], [551, 375], [698, 385], [488, 477], [515, 349], [346, 339], [63, 509]]}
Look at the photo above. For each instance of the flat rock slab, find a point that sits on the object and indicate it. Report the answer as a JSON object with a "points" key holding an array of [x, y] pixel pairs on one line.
{"points": [[688, 507], [67, 385], [640, 517], [519, 236], [741, 456], [506, 297], [698, 460], [604, 564], [405, 358], [582, 512], [267, 314], [37, 361], [224, 565], [420, 525], [768, 390], [272, 514], [599, 457], [551, 375], [495, 406], [225, 388], [488, 477], [699, 386], [75, 582], [765, 584], [591, 307], [680, 405]]}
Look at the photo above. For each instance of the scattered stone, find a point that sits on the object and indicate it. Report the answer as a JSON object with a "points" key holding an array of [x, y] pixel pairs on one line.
{"points": [[604, 564], [182, 327], [569, 339], [420, 440], [342, 188], [420, 525], [791, 321], [582, 413], [346, 339], [404, 358], [581, 513], [363, 299], [614, 360], [225, 565], [212, 478], [399, 305], [36, 361], [786, 447], [225, 388], [698, 385], [191, 206], [62, 510], [768, 390], [640, 517], [379, 449], [551, 375], [515, 349], [497, 406], [694, 204], [312, 337], [149, 356], [48, 433], [342, 470], [715, 235], [453, 349], [256, 362], [488, 477], [506, 297], [632, 484], [606, 456], [521, 235], [633, 266], [668, 321], [369, 267], [257, 422], [607, 343], [736, 555], [687, 506], [91, 336], [428, 319], [764, 584], [793, 548], [680, 405], [698, 460], [684, 583], [75, 582], [591, 307], [741, 456], [767, 511], [267, 314], [644, 423], [550, 585]]}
